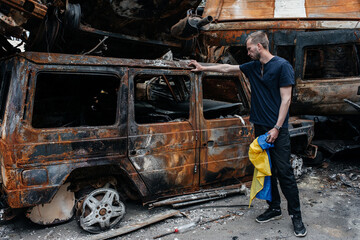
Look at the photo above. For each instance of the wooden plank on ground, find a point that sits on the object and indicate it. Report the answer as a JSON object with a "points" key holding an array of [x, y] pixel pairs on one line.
{"points": [[126, 229]]}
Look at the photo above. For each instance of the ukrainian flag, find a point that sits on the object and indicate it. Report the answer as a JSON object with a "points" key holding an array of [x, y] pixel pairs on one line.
{"points": [[260, 157]]}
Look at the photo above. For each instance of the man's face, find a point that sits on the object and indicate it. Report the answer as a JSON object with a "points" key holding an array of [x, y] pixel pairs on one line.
{"points": [[253, 50]]}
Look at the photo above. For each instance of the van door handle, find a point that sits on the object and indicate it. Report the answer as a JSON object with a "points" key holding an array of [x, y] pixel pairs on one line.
{"points": [[210, 143]]}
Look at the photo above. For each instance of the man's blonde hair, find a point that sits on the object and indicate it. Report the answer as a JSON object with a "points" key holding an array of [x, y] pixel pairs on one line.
{"points": [[259, 37]]}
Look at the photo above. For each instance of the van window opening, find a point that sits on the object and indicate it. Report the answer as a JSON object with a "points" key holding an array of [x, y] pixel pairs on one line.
{"points": [[222, 98], [331, 61], [162, 98], [74, 100]]}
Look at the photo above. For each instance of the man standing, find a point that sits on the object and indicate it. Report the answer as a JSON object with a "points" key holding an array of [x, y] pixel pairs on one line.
{"points": [[271, 79]]}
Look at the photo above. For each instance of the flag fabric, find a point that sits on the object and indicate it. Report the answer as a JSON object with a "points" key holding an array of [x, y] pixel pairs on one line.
{"points": [[260, 157]]}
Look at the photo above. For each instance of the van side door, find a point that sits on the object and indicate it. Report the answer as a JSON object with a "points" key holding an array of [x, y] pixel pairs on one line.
{"points": [[162, 129], [225, 129]]}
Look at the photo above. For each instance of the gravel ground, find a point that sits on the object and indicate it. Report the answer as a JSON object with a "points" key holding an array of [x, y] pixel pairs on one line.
{"points": [[329, 199]]}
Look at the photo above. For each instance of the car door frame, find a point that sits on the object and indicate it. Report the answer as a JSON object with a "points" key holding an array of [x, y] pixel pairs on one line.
{"points": [[165, 155], [224, 144]]}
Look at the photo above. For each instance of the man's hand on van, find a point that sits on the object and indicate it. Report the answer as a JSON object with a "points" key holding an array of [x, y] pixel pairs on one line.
{"points": [[198, 67], [222, 68]]}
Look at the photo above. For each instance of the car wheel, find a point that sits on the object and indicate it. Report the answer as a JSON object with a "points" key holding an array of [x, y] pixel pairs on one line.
{"points": [[101, 210]]}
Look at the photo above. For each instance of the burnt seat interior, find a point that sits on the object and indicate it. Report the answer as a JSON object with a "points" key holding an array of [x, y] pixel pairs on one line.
{"points": [[167, 98]]}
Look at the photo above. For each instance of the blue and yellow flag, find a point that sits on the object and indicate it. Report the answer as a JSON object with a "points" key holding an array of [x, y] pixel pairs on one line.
{"points": [[260, 157]]}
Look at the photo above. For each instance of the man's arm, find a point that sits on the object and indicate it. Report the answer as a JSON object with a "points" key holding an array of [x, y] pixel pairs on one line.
{"points": [[223, 68], [285, 93]]}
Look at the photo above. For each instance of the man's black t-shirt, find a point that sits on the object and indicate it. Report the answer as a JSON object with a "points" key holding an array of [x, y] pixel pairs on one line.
{"points": [[265, 89]]}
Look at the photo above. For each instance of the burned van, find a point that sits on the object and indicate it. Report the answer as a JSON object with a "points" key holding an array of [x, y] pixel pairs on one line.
{"points": [[100, 130]]}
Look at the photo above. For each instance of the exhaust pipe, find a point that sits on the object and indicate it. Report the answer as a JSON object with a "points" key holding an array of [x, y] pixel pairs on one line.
{"points": [[204, 21], [189, 27]]}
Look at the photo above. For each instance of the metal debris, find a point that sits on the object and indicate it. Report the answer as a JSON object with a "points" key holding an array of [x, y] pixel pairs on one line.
{"points": [[200, 197], [348, 180], [297, 165], [192, 225]]}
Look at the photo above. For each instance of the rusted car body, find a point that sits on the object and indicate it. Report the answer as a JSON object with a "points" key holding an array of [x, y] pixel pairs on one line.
{"points": [[150, 128], [320, 38], [153, 127]]}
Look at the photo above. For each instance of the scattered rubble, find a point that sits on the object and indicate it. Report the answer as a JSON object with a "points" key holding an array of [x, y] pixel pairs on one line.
{"points": [[339, 175], [345, 179], [322, 191]]}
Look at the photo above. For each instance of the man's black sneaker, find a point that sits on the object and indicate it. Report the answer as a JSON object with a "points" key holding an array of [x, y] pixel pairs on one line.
{"points": [[268, 215], [299, 228]]}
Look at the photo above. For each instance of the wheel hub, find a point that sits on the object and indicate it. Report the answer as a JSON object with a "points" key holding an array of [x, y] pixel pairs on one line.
{"points": [[101, 210]]}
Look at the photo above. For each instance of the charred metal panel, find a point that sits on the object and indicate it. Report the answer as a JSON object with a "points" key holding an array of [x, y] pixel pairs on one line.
{"points": [[73, 150], [300, 126], [225, 136], [30, 197], [224, 151], [301, 134], [31, 7], [332, 9], [164, 154], [235, 33], [65, 60], [167, 170], [224, 10], [282, 24], [34, 177], [284, 38], [13, 113], [325, 96]]}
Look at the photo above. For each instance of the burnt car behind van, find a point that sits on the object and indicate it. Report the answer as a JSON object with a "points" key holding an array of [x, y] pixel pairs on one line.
{"points": [[320, 38]]}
